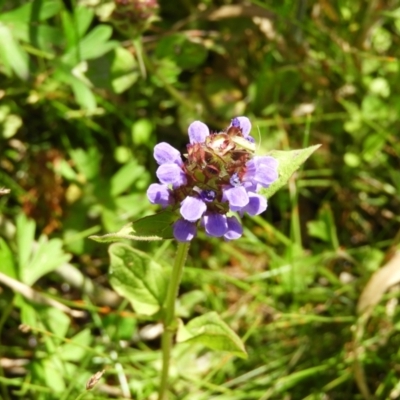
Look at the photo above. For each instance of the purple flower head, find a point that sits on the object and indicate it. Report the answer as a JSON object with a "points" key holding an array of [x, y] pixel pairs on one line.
{"points": [[219, 174]]}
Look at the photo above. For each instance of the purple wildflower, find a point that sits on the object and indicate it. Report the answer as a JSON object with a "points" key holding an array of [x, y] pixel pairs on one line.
{"points": [[219, 175]]}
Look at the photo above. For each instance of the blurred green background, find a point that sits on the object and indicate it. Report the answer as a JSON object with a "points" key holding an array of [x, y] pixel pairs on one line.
{"points": [[88, 87]]}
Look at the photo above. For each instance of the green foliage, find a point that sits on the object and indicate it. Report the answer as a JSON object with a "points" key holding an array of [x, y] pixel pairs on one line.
{"points": [[137, 277], [289, 162], [211, 331], [153, 227], [86, 93]]}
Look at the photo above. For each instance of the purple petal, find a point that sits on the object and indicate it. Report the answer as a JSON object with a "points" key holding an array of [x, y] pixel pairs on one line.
{"points": [[192, 208], [235, 229], [184, 231], [164, 153], [245, 125], [267, 170], [159, 194], [171, 174], [215, 224], [257, 204], [251, 186], [236, 196], [198, 131], [235, 123], [262, 170], [251, 169]]}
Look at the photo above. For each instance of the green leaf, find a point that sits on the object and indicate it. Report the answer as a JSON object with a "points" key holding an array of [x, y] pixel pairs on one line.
{"points": [[36, 259], [124, 71], [211, 331], [141, 132], [75, 25], [138, 278], [7, 265], [93, 45], [33, 11], [12, 54], [153, 227], [289, 162], [52, 374], [83, 17], [117, 70], [186, 53], [83, 95], [75, 349], [124, 178], [47, 256], [25, 240], [87, 162], [10, 122]]}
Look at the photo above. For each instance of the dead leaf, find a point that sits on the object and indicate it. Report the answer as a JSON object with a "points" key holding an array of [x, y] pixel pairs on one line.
{"points": [[379, 283]]}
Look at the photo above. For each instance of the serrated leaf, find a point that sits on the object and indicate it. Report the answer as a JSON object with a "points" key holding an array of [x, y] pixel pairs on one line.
{"points": [[153, 227], [289, 162], [211, 331], [138, 278]]}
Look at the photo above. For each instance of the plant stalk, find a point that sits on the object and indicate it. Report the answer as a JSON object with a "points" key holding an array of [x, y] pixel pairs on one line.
{"points": [[169, 323]]}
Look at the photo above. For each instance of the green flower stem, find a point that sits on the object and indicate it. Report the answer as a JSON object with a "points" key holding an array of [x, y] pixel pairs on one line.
{"points": [[169, 317]]}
